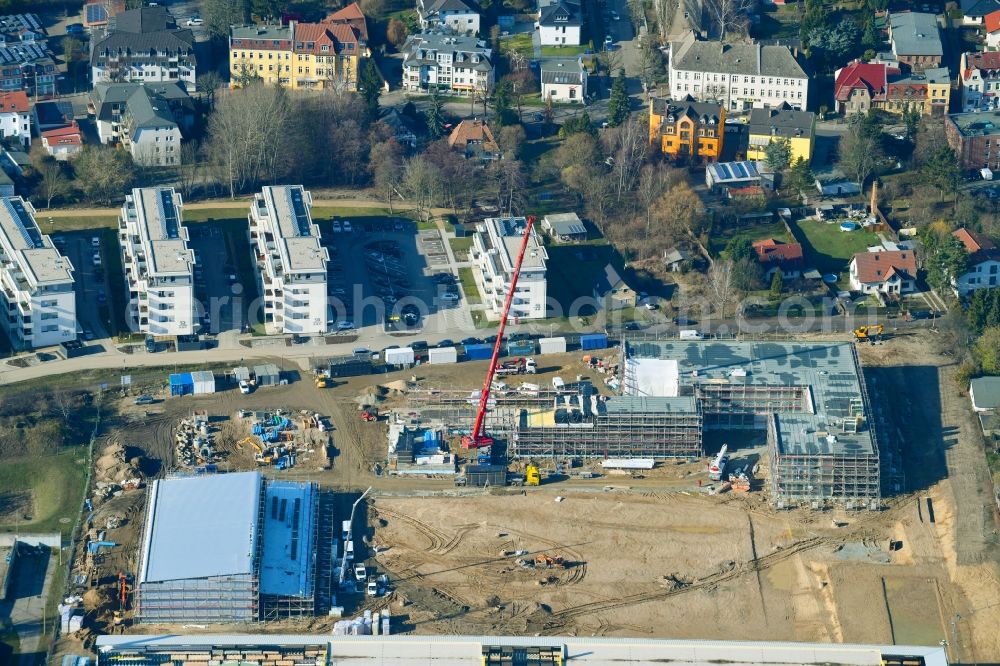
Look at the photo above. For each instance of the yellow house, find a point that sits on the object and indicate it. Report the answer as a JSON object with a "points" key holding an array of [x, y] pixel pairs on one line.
{"points": [[301, 55], [686, 129], [766, 125]]}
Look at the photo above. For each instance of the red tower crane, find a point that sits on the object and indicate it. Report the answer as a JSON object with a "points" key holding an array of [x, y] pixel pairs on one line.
{"points": [[477, 438]]}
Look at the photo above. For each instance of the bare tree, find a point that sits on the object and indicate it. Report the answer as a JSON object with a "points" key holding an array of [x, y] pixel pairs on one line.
{"points": [[653, 183], [722, 285], [629, 146], [54, 182], [508, 177], [386, 166], [62, 403], [422, 183], [729, 15]]}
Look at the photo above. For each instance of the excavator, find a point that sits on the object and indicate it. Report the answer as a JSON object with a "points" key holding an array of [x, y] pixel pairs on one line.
{"points": [[477, 438], [871, 333]]}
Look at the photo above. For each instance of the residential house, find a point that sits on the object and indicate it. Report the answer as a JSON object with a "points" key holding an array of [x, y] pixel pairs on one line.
{"points": [[27, 65], [565, 227], [26, 28], [860, 87], [148, 120], [447, 62], [402, 128], [774, 255], [974, 12], [15, 117], [159, 266], [459, 16], [301, 55], [36, 281], [564, 80], [96, 14], [612, 292], [886, 272], [983, 270], [979, 78], [783, 122], [474, 139], [559, 22], [991, 22], [738, 76], [975, 138], [834, 183], [686, 129], [495, 247], [291, 261], [674, 258], [144, 45], [916, 40], [63, 143], [52, 114]]}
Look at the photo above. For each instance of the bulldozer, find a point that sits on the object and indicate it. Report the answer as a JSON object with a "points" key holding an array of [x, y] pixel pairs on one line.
{"points": [[322, 381], [869, 333], [550, 562], [369, 415], [531, 476]]}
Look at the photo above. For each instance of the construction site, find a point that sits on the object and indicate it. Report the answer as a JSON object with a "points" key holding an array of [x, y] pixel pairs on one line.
{"points": [[683, 488]]}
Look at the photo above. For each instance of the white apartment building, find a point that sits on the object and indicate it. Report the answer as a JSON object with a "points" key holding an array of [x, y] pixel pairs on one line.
{"points": [[15, 117], [36, 281], [446, 62], [983, 270], [456, 15], [158, 264], [559, 22], [738, 76], [494, 252], [291, 261]]}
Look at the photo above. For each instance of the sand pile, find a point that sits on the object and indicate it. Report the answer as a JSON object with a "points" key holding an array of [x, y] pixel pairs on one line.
{"points": [[112, 466]]}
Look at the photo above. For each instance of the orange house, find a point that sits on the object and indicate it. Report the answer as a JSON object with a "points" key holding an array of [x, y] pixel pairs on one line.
{"points": [[687, 129]]}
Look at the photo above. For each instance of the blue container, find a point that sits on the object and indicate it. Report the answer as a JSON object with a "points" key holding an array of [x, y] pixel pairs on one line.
{"points": [[594, 341], [521, 348], [478, 352], [181, 383]]}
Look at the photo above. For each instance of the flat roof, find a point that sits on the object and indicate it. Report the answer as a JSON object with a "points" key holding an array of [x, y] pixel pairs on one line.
{"points": [[159, 226], [829, 370], [506, 234], [36, 256], [467, 650], [288, 560], [201, 527], [625, 404], [287, 211]]}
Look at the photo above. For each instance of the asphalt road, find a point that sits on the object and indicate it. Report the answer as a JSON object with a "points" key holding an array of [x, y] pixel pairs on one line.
{"points": [[26, 602]]}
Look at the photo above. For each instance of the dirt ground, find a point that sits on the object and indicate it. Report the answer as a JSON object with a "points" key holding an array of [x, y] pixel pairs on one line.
{"points": [[655, 556]]}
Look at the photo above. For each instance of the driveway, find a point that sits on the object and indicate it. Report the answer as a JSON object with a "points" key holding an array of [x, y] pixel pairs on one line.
{"points": [[26, 601]]}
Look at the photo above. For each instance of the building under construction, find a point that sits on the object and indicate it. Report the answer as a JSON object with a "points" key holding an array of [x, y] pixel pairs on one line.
{"points": [[809, 398], [228, 548]]}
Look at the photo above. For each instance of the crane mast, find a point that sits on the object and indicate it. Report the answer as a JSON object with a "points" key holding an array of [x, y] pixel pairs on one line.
{"points": [[477, 438]]}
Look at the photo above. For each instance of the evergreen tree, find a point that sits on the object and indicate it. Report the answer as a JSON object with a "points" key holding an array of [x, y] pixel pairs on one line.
{"points": [[370, 87], [435, 118], [580, 124], [801, 178], [739, 248], [779, 154], [618, 104], [777, 284]]}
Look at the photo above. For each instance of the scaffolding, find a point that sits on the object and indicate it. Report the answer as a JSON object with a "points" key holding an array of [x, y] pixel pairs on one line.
{"points": [[280, 606]]}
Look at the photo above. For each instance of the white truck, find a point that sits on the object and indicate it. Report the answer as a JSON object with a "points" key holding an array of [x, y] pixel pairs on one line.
{"points": [[558, 384], [360, 573], [691, 334]]}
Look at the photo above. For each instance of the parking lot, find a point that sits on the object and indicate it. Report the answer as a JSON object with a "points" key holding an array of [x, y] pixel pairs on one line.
{"points": [[93, 309], [223, 301], [385, 273]]}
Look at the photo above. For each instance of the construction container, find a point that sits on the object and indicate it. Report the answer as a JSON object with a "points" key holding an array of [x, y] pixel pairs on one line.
{"points": [[267, 374], [181, 383], [204, 382], [442, 355], [400, 356], [552, 346], [350, 366], [486, 475], [521, 348], [594, 341], [478, 352]]}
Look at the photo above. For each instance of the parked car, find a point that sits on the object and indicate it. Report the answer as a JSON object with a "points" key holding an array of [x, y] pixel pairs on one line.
{"points": [[336, 226], [244, 387], [95, 242], [472, 341], [347, 226], [449, 296], [74, 29], [446, 343], [345, 325], [651, 306], [97, 258], [195, 20], [144, 400], [614, 15]]}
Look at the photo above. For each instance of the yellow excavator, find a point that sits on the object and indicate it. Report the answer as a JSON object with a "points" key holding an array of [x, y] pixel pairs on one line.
{"points": [[531, 476], [869, 333]]}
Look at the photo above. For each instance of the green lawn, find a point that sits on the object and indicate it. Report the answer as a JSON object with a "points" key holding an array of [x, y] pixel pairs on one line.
{"points": [[757, 232], [563, 51], [49, 225], [56, 482], [468, 280], [520, 43], [460, 246], [829, 249]]}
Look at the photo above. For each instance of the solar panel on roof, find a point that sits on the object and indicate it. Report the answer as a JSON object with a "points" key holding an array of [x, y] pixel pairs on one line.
{"points": [[32, 236], [299, 211], [96, 13], [165, 207]]}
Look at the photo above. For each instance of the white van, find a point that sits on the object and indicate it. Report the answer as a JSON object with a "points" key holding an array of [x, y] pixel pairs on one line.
{"points": [[691, 334], [558, 384]]}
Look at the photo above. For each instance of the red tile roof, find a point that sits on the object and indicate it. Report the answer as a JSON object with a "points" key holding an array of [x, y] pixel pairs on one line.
{"points": [[320, 34], [880, 266], [14, 102], [473, 130], [979, 247], [987, 60], [992, 21], [771, 251], [350, 15], [861, 75]]}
